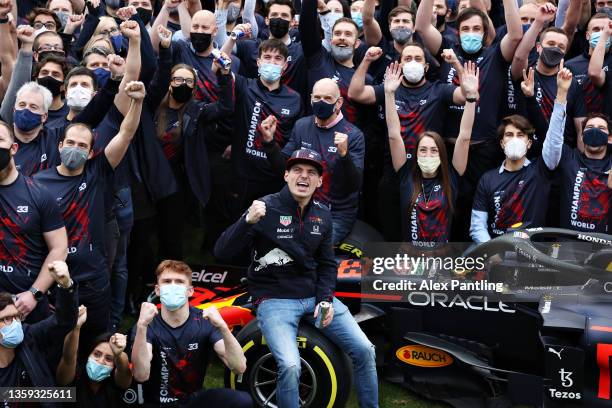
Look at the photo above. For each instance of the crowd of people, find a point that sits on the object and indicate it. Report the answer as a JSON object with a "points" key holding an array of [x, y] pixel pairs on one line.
{"points": [[280, 122]]}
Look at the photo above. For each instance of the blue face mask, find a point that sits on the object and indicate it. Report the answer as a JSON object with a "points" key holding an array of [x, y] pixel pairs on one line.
{"points": [[97, 372], [270, 72], [595, 40], [595, 137], [117, 41], [526, 28], [358, 19], [102, 76], [26, 120], [471, 43], [12, 335], [173, 296]]}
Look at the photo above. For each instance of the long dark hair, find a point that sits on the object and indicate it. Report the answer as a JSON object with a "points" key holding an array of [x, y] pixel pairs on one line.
{"points": [[83, 393], [417, 174], [163, 106]]}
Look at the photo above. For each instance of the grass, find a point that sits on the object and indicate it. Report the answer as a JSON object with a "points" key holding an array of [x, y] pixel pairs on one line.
{"points": [[390, 395]]}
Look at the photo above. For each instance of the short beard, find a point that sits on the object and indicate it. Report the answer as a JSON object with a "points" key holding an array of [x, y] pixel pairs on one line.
{"points": [[5, 172]]}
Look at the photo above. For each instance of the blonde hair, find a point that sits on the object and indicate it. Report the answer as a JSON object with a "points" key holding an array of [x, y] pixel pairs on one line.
{"points": [[94, 39]]}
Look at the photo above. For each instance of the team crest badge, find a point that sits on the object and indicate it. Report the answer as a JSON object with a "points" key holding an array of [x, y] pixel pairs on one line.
{"points": [[285, 220]]}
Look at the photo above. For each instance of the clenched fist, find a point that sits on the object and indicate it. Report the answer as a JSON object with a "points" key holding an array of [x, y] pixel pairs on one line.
{"points": [[268, 128], [117, 343], [59, 273], [148, 311], [135, 90], [256, 212], [341, 142], [373, 54], [212, 315]]}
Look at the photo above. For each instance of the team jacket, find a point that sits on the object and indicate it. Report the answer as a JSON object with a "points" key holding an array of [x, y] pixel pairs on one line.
{"points": [[291, 250]]}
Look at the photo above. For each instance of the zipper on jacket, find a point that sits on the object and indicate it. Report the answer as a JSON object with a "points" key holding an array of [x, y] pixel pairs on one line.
{"points": [[299, 213]]}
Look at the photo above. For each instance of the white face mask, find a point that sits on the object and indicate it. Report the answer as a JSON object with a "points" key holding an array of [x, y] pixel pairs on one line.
{"points": [[515, 149], [428, 165], [413, 72], [78, 97]]}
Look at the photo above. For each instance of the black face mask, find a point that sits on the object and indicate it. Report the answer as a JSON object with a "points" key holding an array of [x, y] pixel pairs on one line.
{"points": [[182, 93], [44, 54], [144, 14], [551, 56], [5, 157], [201, 41], [278, 27], [440, 20], [323, 110], [51, 84]]}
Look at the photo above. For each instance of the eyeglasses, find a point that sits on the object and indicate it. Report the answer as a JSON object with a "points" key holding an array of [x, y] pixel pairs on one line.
{"points": [[48, 25], [55, 48], [9, 319], [110, 31], [178, 81]]}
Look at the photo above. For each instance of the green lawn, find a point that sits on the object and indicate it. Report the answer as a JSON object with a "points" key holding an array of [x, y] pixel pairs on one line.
{"points": [[390, 395]]}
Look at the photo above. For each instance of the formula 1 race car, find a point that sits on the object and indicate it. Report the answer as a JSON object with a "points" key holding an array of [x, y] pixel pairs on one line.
{"points": [[546, 342]]}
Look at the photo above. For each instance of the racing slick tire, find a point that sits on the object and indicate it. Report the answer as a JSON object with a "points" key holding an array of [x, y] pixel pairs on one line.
{"points": [[326, 375]]}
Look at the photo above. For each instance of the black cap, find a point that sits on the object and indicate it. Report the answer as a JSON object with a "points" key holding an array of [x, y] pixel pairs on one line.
{"points": [[306, 156]]}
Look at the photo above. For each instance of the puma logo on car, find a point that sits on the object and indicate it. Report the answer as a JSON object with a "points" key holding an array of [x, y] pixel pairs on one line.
{"points": [[558, 353]]}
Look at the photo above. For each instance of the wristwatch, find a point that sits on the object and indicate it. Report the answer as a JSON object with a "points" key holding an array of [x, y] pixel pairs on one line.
{"points": [[37, 293]]}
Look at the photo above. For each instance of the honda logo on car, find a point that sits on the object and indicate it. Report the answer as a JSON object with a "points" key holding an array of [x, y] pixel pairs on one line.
{"points": [[212, 277], [423, 356]]}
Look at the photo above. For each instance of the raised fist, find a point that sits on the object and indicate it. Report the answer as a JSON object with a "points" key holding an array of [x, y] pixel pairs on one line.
{"points": [[25, 34], [148, 311], [165, 36], [212, 315], [130, 29], [59, 273], [125, 13], [135, 90], [116, 64], [341, 143], [373, 54], [257, 211], [268, 128], [117, 343]]}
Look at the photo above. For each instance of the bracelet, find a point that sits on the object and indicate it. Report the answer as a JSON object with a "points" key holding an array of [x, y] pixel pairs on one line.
{"points": [[69, 285], [4, 20], [471, 100]]}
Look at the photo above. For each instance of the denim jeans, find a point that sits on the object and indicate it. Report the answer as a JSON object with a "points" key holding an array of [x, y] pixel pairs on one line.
{"points": [[124, 212], [278, 320], [343, 224]]}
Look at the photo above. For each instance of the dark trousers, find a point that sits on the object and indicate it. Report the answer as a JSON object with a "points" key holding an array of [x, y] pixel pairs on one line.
{"points": [[389, 208], [95, 294], [219, 397]]}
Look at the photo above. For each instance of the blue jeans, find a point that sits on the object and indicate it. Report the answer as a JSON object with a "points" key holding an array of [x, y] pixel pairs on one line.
{"points": [[124, 212], [343, 224], [278, 320]]}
